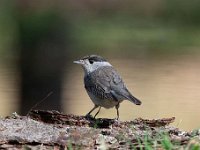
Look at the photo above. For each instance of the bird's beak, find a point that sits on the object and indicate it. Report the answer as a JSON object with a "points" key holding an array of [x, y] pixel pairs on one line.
{"points": [[81, 62]]}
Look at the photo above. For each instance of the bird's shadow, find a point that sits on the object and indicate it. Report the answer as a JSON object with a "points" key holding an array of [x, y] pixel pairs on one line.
{"points": [[100, 122]]}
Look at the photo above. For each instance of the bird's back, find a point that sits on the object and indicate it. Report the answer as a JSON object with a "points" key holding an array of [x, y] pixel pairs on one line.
{"points": [[106, 83]]}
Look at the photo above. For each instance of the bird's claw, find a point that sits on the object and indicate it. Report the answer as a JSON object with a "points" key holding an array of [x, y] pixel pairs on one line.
{"points": [[117, 119], [88, 116]]}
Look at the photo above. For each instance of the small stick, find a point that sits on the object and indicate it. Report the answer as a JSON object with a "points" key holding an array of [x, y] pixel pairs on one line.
{"points": [[49, 94]]}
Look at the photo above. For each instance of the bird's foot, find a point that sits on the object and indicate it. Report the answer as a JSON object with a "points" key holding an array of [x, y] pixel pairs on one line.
{"points": [[117, 119], [89, 117]]}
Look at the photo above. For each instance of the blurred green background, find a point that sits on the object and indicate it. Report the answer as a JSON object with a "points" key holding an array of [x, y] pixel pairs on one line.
{"points": [[153, 44]]}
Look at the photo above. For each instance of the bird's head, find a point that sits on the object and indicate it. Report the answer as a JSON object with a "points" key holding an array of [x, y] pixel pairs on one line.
{"points": [[92, 62]]}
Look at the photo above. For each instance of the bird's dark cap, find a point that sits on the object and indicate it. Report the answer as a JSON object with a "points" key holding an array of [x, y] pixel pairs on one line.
{"points": [[95, 58]]}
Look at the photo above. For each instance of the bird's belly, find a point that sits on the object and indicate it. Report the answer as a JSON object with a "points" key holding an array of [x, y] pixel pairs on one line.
{"points": [[107, 103]]}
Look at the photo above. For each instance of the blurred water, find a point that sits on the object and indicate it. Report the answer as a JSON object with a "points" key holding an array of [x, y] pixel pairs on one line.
{"points": [[9, 91], [167, 87]]}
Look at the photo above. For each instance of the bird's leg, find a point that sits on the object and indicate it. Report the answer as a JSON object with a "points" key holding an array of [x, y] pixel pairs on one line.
{"points": [[97, 112], [95, 106], [117, 108]]}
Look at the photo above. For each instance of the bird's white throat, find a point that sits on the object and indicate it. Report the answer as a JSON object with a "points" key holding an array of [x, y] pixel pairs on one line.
{"points": [[96, 65]]}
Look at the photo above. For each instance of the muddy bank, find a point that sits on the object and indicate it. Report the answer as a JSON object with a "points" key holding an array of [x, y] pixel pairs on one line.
{"points": [[51, 129]]}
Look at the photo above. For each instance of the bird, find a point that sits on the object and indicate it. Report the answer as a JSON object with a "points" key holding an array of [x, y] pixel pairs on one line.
{"points": [[103, 84]]}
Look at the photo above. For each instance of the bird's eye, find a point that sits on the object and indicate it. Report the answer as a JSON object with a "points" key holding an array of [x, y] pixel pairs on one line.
{"points": [[91, 61]]}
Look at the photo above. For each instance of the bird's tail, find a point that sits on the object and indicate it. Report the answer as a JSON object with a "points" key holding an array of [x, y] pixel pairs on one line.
{"points": [[134, 100]]}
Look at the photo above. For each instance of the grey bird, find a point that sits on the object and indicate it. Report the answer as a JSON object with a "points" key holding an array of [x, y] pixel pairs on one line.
{"points": [[103, 84]]}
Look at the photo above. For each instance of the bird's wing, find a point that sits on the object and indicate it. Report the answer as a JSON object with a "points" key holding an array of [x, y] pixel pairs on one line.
{"points": [[105, 82]]}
